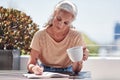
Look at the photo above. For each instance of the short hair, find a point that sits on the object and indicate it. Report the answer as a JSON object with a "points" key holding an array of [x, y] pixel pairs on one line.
{"points": [[67, 6], [64, 5]]}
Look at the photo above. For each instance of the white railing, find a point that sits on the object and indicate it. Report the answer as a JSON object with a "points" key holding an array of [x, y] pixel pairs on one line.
{"points": [[106, 50]]}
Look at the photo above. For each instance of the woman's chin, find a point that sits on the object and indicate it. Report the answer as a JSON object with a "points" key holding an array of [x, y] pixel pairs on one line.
{"points": [[60, 29]]}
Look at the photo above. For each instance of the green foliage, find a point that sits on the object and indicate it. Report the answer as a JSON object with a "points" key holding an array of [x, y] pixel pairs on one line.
{"points": [[16, 30], [91, 45]]}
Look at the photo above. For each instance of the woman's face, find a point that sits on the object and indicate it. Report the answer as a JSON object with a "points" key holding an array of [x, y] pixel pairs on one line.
{"points": [[62, 20]]}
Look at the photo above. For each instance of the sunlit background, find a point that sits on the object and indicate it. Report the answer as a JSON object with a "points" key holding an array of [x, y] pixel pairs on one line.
{"points": [[97, 19]]}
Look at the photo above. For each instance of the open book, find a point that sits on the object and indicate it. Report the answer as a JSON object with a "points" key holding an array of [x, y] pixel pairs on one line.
{"points": [[46, 75]]}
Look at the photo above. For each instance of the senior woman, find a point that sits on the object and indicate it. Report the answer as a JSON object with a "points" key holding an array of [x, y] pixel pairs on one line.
{"points": [[49, 44]]}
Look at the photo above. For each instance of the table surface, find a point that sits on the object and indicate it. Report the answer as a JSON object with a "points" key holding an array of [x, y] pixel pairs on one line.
{"points": [[18, 75]]}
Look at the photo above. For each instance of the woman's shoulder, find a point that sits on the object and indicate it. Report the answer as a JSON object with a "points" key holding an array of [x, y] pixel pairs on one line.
{"points": [[75, 31], [40, 32]]}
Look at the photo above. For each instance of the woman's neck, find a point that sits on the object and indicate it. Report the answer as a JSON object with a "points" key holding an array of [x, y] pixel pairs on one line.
{"points": [[57, 35]]}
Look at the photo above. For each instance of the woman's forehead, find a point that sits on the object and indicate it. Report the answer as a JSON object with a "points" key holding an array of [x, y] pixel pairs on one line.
{"points": [[63, 12]]}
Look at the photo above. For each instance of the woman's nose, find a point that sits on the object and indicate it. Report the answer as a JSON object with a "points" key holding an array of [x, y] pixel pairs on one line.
{"points": [[61, 25]]}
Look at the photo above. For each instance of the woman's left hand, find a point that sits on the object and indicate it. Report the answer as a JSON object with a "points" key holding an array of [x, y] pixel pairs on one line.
{"points": [[85, 54], [77, 66]]}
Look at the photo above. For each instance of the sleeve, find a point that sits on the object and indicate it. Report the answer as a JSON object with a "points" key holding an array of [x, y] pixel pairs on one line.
{"points": [[80, 40], [35, 43]]}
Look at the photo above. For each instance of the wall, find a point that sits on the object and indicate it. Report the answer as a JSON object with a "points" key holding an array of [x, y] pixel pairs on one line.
{"points": [[102, 68], [23, 62]]}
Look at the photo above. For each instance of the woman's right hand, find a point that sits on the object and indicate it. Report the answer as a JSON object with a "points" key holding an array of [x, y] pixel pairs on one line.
{"points": [[37, 70]]}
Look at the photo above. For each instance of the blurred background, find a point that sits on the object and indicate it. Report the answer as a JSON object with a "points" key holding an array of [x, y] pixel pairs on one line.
{"points": [[98, 20]]}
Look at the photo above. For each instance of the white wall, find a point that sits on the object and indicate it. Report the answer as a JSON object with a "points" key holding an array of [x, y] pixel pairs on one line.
{"points": [[23, 62], [102, 68]]}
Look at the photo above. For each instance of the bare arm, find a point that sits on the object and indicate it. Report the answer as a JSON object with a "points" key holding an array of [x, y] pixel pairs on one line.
{"points": [[31, 66]]}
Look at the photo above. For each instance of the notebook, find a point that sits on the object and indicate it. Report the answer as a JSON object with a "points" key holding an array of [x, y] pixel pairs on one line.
{"points": [[46, 75]]}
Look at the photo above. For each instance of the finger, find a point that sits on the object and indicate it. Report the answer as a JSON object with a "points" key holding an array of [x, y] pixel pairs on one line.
{"points": [[37, 70], [40, 70], [84, 58]]}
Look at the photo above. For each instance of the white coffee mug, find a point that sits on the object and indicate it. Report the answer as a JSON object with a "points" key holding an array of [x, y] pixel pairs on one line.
{"points": [[75, 53]]}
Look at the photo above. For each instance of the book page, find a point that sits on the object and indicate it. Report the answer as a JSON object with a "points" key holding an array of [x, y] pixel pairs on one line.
{"points": [[46, 75]]}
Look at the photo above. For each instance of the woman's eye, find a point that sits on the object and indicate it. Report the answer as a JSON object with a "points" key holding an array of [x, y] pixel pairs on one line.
{"points": [[66, 23]]}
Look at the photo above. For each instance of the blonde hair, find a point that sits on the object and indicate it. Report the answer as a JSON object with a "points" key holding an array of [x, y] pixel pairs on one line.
{"points": [[66, 6]]}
